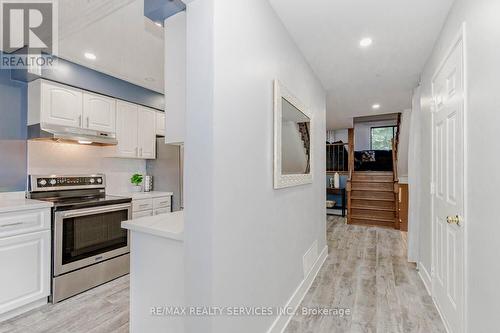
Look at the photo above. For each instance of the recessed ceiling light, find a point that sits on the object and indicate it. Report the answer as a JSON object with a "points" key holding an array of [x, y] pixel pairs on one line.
{"points": [[159, 24], [90, 56], [376, 106], [149, 79], [365, 42]]}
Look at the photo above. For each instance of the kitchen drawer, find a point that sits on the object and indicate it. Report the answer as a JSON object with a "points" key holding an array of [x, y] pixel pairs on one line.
{"points": [[142, 214], [22, 222], [161, 202], [162, 211], [141, 205]]}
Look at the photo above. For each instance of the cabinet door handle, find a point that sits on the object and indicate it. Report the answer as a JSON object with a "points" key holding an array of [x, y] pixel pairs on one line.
{"points": [[136, 152], [80, 121], [88, 122], [141, 152]]}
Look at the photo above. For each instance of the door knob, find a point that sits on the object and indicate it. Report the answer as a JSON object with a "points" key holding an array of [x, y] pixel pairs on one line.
{"points": [[453, 219]]}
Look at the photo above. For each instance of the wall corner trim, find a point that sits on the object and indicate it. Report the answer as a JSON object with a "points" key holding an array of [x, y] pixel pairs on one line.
{"points": [[281, 322]]}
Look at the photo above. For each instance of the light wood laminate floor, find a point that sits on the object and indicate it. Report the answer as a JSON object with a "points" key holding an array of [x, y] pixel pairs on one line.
{"points": [[104, 309], [366, 271]]}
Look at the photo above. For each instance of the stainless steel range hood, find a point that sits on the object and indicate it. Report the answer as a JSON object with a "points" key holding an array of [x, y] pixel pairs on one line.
{"points": [[44, 131]]}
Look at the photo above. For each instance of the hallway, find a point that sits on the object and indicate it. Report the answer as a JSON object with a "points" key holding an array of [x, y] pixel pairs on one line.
{"points": [[366, 271]]}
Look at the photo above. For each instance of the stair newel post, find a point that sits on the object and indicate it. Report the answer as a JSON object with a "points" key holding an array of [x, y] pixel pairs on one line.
{"points": [[350, 135], [396, 202]]}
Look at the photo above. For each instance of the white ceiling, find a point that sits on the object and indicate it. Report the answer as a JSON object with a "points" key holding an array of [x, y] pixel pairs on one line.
{"points": [[127, 45], [328, 33]]}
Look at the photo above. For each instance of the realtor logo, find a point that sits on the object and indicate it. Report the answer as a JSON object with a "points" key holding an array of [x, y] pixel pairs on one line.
{"points": [[29, 32]]}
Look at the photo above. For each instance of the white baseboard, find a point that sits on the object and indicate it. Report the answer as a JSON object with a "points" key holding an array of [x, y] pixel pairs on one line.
{"points": [[425, 277], [282, 321], [25, 308], [443, 319]]}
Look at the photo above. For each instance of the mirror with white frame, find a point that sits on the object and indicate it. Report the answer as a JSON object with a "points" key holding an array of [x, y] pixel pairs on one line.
{"points": [[292, 140]]}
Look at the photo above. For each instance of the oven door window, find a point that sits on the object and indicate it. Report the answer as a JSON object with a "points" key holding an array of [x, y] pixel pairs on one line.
{"points": [[91, 235]]}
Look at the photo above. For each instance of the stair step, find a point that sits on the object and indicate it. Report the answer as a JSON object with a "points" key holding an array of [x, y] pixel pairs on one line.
{"points": [[373, 178], [372, 195], [374, 208], [371, 213], [371, 186], [373, 173], [373, 221], [373, 204]]}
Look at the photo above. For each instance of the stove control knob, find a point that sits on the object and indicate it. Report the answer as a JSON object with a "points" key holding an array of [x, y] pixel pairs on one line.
{"points": [[52, 182], [99, 180], [92, 180], [42, 182]]}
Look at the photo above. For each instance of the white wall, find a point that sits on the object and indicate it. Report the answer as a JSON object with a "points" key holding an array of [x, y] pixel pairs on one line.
{"points": [[414, 183], [362, 133], [244, 240], [73, 159], [404, 139], [482, 178], [337, 135], [175, 78]]}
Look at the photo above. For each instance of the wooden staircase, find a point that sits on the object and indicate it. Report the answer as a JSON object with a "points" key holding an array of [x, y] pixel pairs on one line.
{"points": [[372, 199], [373, 196]]}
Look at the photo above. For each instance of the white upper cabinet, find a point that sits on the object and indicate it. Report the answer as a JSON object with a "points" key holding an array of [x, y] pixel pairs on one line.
{"points": [[99, 113], [126, 130], [146, 134], [135, 131], [160, 123], [61, 105], [135, 126]]}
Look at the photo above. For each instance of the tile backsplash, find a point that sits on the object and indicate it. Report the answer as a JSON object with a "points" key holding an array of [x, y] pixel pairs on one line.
{"points": [[74, 159]]}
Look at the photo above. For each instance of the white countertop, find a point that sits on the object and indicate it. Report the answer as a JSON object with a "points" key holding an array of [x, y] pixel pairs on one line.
{"points": [[142, 195], [12, 205], [170, 225]]}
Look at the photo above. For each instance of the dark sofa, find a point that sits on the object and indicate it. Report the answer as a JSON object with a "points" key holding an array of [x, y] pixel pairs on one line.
{"points": [[373, 160]]}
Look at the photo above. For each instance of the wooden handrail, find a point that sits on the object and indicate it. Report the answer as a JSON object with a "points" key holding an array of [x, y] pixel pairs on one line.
{"points": [[394, 160], [350, 136], [395, 146]]}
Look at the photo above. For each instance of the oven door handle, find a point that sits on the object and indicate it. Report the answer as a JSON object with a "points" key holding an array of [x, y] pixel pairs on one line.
{"points": [[90, 211]]}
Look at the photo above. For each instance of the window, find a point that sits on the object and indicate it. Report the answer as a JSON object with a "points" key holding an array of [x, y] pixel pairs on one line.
{"points": [[381, 137]]}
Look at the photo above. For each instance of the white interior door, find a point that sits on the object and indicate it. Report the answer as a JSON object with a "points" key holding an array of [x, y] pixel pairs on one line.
{"points": [[448, 199]]}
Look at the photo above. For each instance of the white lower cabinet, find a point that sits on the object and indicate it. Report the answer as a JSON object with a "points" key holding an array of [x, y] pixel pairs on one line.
{"points": [[142, 214], [151, 206], [25, 266]]}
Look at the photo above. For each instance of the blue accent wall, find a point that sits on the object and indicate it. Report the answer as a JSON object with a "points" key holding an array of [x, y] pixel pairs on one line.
{"points": [[159, 10], [13, 133], [82, 77], [14, 109]]}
